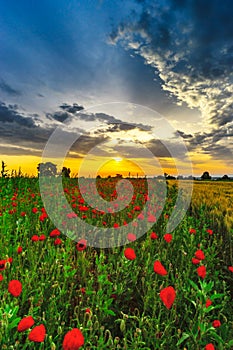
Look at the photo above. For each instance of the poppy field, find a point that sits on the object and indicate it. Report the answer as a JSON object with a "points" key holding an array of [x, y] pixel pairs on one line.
{"points": [[162, 290]]}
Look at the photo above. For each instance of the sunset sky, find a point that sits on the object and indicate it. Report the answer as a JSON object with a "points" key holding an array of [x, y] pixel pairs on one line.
{"points": [[145, 86]]}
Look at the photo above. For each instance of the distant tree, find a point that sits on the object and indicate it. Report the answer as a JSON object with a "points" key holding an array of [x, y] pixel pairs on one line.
{"points": [[206, 176], [65, 172], [119, 176], [47, 169], [4, 171], [225, 177]]}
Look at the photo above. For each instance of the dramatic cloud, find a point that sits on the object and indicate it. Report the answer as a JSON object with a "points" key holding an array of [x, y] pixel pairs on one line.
{"points": [[190, 45]]}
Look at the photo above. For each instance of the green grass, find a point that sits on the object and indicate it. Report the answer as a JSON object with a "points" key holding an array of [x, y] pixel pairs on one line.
{"points": [[126, 312]]}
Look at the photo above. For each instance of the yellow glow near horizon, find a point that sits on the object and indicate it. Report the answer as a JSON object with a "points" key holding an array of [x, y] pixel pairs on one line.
{"points": [[201, 163]]}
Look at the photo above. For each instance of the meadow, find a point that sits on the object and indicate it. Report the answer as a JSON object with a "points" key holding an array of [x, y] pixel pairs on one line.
{"points": [[163, 290]]}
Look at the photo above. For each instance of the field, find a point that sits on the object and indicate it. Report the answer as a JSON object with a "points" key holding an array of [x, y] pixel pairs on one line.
{"points": [[163, 290]]}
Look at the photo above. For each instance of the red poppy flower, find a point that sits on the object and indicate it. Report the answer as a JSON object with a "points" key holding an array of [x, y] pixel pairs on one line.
{"points": [[23, 213], [195, 261], [37, 334], [210, 346], [159, 268], [83, 290], [1, 277], [131, 237], [129, 253], [115, 225], [15, 288], [25, 323], [35, 238], [88, 311], [168, 295], [201, 271], [73, 340], [34, 210], [210, 232], [153, 235], [216, 323], [141, 216], [192, 231], [42, 237], [151, 218], [55, 233], [200, 254], [19, 250], [167, 237], [2, 265], [208, 303], [81, 245], [230, 268], [57, 241]]}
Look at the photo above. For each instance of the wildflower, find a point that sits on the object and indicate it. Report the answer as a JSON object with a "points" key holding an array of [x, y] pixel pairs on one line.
{"points": [[88, 311], [195, 261], [192, 231], [167, 237], [168, 295], [2, 265], [81, 245], [34, 210], [209, 346], [83, 290], [23, 213], [216, 323], [151, 218], [57, 241], [115, 225], [129, 253], [42, 237], [208, 303], [54, 233], [159, 268], [153, 235], [19, 250], [35, 238], [230, 268], [25, 323], [210, 232], [73, 340], [201, 271], [199, 254], [37, 334], [1, 277], [131, 237], [15, 288]]}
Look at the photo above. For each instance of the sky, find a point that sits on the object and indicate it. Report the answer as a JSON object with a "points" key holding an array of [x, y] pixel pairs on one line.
{"points": [[145, 86]]}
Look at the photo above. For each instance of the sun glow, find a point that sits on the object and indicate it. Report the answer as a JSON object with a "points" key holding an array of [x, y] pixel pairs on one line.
{"points": [[118, 159]]}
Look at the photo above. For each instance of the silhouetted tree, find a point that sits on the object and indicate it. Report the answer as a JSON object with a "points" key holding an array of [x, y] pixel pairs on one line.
{"points": [[47, 169], [4, 171], [65, 172], [206, 176], [225, 177]]}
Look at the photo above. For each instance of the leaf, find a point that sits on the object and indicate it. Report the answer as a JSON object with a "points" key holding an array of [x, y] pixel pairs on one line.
{"points": [[216, 296], [14, 323], [183, 338], [109, 312], [194, 285]]}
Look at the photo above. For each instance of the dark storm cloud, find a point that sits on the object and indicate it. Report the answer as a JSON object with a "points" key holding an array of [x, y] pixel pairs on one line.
{"points": [[59, 116], [9, 114], [190, 46], [8, 89], [71, 108]]}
